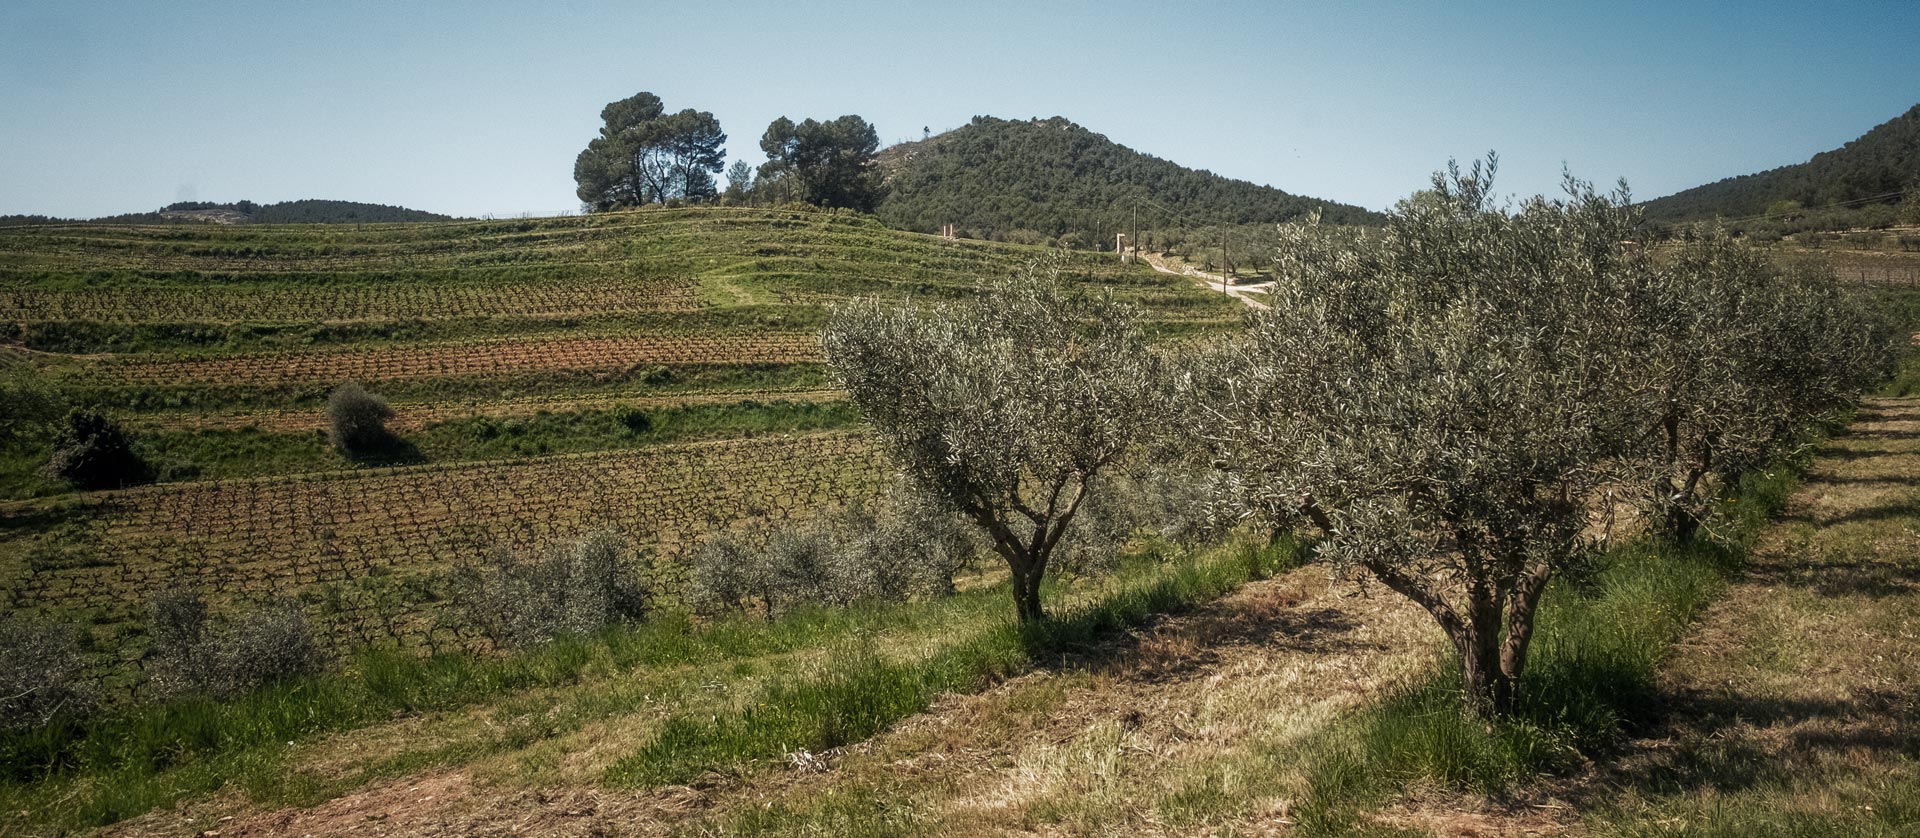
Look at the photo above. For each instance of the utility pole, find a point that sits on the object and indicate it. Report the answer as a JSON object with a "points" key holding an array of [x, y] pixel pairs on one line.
{"points": [[1136, 226]]}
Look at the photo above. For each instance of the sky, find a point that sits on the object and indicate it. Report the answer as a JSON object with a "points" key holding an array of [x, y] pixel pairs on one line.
{"points": [[476, 107]]}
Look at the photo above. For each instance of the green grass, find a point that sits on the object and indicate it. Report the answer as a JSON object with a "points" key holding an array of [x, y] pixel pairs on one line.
{"points": [[78, 775], [213, 454], [858, 693]]}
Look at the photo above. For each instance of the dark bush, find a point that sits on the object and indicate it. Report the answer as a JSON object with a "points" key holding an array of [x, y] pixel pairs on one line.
{"points": [[42, 674], [635, 420], [357, 420], [94, 453], [575, 588]]}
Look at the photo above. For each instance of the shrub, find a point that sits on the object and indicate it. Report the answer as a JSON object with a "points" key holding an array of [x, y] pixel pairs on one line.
{"points": [[42, 674], [724, 574], [575, 588], [1183, 507], [189, 656], [357, 420], [900, 546], [32, 403], [94, 453], [633, 419], [903, 544]]}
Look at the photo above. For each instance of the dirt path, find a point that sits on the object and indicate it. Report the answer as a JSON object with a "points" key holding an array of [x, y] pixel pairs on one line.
{"points": [[1212, 282]]}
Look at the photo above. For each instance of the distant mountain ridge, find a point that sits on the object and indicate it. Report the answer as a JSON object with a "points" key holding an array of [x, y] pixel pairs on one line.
{"points": [[306, 211], [997, 178], [1874, 169]]}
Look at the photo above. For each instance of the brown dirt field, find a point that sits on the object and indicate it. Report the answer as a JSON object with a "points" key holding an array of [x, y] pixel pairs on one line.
{"points": [[414, 416], [463, 359]]}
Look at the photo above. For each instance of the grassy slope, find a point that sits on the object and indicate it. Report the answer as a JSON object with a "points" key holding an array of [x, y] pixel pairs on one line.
{"points": [[588, 710], [95, 301]]}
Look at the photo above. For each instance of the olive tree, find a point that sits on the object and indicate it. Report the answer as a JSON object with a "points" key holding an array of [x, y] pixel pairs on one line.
{"points": [[1443, 399], [1007, 408], [1738, 358]]}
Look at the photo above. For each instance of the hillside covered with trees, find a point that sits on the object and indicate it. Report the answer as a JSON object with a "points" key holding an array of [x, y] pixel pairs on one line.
{"points": [[1053, 179], [1865, 179], [305, 211]]}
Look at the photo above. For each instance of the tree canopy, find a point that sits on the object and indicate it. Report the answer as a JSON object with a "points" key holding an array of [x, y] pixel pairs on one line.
{"points": [[645, 155], [1008, 409], [828, 164], [1454, 400]]}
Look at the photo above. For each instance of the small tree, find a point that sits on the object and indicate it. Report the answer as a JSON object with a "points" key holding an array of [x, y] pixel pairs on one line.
{"points": [[1442, 400], [831, 162], [574, 588], [192, 654], [357, 420], [739, 183], [1008, 409], [94, 453]]}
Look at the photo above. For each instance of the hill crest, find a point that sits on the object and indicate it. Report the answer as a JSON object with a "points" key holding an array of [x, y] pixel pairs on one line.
{"points": [[1874, 168], [1052, 178]]}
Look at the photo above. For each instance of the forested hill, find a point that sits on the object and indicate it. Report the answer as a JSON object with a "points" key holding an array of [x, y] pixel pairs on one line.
{"points": [[1009, 179], [1873, 169], [308, 211]]}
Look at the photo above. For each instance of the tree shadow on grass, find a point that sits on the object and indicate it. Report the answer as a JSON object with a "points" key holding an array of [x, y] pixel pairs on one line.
{"points": [[1723, 741], [1101, 639], [391, 451]]}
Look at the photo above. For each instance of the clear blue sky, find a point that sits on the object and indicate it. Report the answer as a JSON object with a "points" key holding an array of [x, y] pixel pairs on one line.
{"points": [[479, 107]]}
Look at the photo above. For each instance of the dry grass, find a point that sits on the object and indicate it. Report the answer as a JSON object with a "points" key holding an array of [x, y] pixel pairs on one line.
{"points": [[1103, 739], [1799, 692]]}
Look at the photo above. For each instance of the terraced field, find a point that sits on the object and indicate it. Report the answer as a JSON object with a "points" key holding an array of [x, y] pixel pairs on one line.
{"points": [[654, 372]]}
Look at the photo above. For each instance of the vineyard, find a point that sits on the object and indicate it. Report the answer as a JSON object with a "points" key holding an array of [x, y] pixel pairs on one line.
{"points": [[462, 359], [313, 536], [258, 303], [497, 342]]}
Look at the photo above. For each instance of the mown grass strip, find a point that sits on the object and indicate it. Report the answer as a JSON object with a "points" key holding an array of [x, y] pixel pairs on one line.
{"points": [[858, 694], [84, 774], [81, 774]]}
